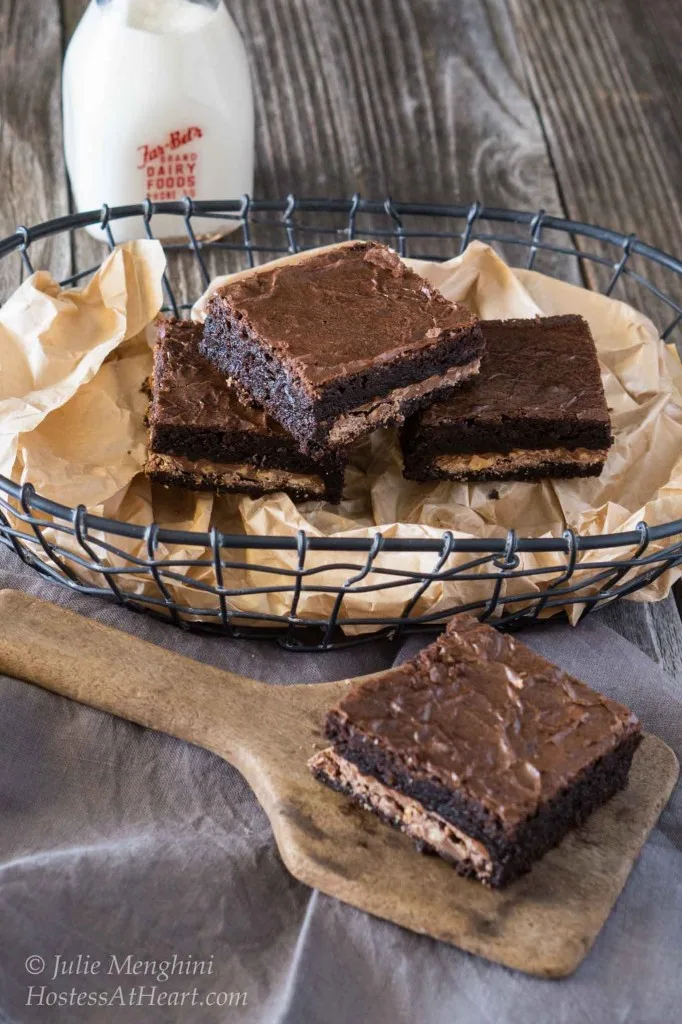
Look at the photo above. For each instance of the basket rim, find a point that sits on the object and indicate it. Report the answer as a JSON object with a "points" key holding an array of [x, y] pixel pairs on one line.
{"points": [[30, 500], [239, 209], [246, 205]]}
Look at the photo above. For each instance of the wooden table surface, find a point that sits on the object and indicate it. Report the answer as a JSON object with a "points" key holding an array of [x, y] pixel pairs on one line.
{"points": [[532, 104]]}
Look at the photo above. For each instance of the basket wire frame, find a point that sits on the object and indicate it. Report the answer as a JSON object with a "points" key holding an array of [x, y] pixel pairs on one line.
{"points": [[88, 553]]}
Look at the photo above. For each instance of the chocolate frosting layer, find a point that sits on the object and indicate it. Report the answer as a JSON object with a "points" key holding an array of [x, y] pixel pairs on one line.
{"points": [[332, 312], [480, 712], [189, 391], [542, 368]]}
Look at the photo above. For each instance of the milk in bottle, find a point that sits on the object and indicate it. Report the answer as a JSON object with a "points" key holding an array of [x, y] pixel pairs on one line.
{"points": [[157, 102]]}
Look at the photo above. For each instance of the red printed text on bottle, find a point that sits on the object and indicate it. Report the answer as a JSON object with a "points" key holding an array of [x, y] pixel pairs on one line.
{"points": [[170, 167]]}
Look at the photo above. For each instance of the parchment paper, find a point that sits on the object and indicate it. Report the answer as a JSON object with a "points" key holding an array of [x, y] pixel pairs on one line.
{"points": [[71, 423]]}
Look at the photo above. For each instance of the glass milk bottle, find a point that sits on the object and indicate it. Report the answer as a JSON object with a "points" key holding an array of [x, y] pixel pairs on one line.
{"points": [[157, 102]]}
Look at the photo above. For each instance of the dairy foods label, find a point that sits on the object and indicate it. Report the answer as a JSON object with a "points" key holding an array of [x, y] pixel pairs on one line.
{"points": [[170, 168]]}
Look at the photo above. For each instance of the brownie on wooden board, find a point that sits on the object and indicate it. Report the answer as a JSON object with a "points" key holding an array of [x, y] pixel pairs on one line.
{"points": [[339, 342], [537, 409], [479, 749], [202, 437]]}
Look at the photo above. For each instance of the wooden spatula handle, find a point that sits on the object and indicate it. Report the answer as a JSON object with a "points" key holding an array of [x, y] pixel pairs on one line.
{"points": [[110, 670]]}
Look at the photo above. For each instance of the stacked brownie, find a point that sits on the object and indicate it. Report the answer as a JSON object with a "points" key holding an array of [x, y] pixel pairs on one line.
{"points": [[295, 363], [478, 749], [537, 409], [345, 340], [299, 360], [201, 436]]}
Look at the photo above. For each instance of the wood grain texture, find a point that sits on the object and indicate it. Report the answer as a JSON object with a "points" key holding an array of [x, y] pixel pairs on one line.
{"points": [[377, 95], [33, 176], [655, 628], [606, 79], [410, 98], [544, 923]]}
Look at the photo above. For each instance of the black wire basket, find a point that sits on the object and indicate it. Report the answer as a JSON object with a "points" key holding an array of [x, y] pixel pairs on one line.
{"points": [[90, 554]]}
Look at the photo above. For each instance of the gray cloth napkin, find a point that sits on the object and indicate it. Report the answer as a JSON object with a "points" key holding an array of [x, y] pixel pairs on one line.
{"points": [[119, 842]]}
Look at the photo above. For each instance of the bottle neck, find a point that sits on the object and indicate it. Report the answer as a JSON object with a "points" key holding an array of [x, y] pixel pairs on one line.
{"points": [[199, 3], [160, 16]]}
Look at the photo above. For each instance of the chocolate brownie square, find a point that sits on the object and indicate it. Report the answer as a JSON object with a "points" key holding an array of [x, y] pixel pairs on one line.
{"points": [[479, 749], [339, 342], [537, 409], [201, 436]]}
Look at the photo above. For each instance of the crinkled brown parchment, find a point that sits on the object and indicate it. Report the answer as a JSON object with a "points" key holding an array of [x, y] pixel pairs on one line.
{"points": [[71, 422]]}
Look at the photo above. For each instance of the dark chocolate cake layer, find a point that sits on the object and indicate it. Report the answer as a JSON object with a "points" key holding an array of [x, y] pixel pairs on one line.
{"points": [[203, 437], [480, 749], [341, 342], [536, 409]]}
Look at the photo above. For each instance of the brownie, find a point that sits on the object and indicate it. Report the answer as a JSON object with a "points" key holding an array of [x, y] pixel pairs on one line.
{"points": [[479, 749], [201, 436], [342, 341], [537, 409]]}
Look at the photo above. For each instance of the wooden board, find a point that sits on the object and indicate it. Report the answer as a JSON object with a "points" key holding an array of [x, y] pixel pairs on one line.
{"points": [[543, 924], [33, 175]]}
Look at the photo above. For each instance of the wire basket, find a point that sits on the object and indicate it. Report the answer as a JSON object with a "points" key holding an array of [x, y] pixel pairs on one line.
{"points": [[88, 554]]}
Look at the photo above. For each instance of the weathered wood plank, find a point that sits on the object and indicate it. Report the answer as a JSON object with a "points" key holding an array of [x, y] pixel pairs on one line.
{"points": [[33, 177], [418, 99], [606, 79], [654, 628]]}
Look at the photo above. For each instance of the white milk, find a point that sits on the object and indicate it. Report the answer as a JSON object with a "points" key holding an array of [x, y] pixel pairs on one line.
{"points": [[157, 102]]}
